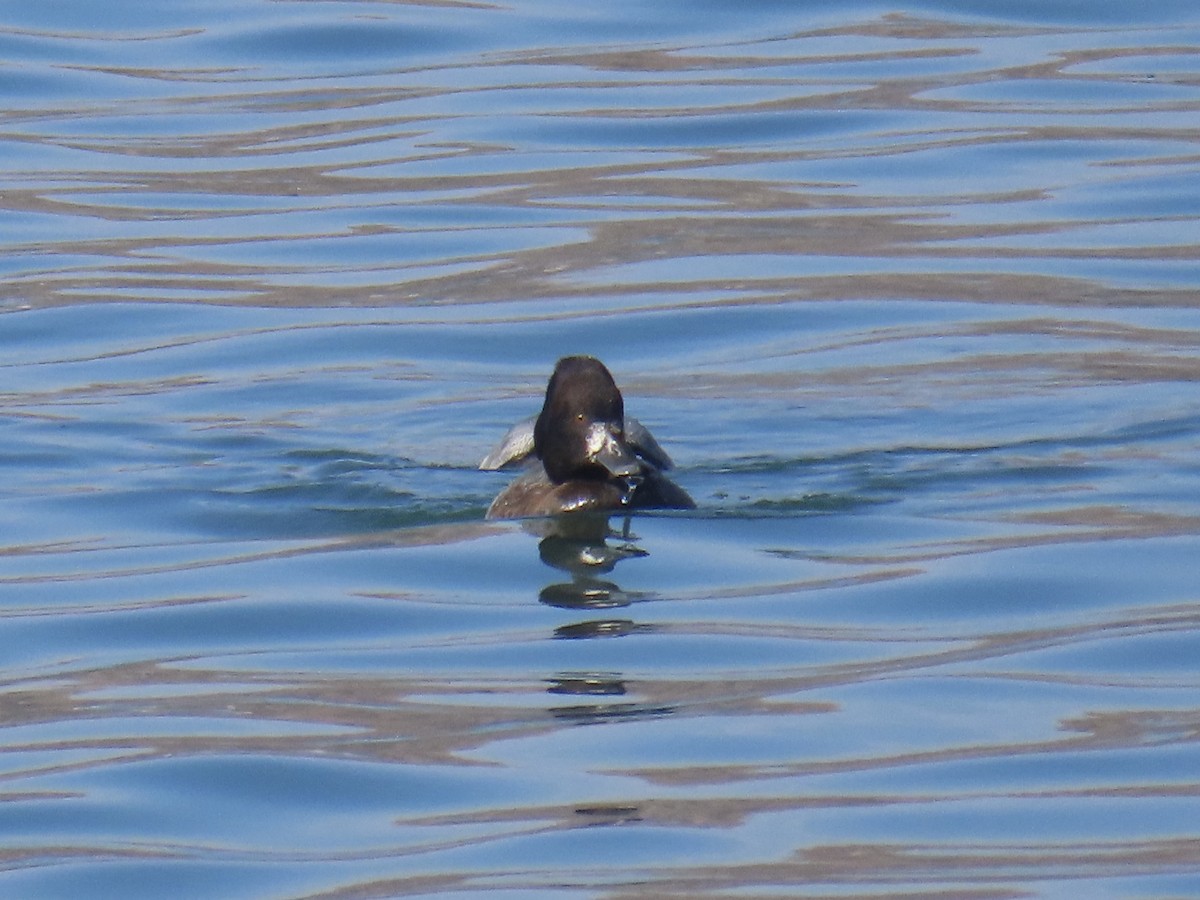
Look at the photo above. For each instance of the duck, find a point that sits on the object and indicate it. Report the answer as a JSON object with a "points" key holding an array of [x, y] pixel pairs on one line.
{"points": [[582, 453]]}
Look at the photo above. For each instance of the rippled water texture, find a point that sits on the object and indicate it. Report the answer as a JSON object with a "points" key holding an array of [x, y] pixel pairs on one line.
{"points": [[911, 294]]}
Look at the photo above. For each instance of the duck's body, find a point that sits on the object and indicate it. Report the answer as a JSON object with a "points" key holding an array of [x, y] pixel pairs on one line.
{"points": [[534, 494], [584, 455]]}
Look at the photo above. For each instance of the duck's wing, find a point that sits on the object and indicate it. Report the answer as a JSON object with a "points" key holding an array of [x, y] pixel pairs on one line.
{"points": [[517, 445], [514, 447], [639, 437]]}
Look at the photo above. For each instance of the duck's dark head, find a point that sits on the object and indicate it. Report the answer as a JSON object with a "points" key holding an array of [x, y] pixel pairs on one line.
{"points": [[580, 434]]}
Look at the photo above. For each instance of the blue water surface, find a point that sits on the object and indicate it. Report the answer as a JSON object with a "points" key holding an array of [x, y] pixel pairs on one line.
{"points": [[910, 294]]}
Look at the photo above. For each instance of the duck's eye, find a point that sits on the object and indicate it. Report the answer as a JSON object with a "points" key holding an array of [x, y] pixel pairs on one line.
{"points": [[578, 417]]}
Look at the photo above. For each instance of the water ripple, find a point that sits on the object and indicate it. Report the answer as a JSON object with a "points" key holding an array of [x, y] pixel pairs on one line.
{"points": [[911, 298]]}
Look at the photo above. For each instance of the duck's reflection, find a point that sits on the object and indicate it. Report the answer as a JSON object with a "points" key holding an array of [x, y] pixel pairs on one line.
{"points": [[579, 545], [587, 547], [605, 685], [588, 684]]}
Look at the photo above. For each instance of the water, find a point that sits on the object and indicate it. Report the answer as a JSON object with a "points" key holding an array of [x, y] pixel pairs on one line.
{"points": [[911, 295]]}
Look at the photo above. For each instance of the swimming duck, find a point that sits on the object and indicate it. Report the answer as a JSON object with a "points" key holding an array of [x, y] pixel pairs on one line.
{"points": [[584, 453]]}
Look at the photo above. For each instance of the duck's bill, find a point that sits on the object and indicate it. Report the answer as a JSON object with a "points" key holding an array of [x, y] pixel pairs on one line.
{"points": [[605, 448]]}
